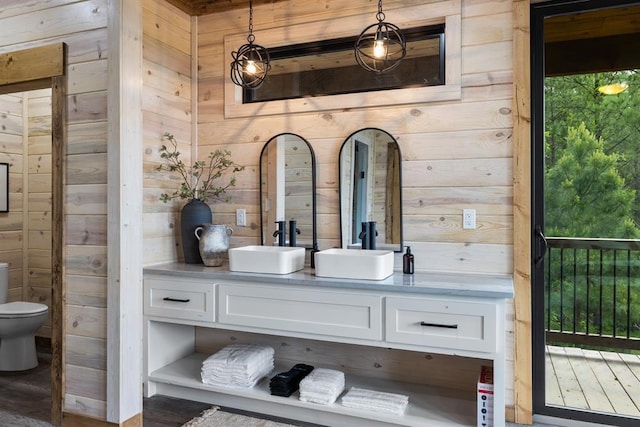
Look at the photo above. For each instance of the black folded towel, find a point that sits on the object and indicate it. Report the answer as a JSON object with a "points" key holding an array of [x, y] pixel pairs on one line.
{"points": [[285, 383]]}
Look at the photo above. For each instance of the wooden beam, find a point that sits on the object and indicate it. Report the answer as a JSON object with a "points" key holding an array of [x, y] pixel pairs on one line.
{"points": [[593, 24], [58, 297], [205, 7], [592, 55], [32, 64], [523, 376], [124, 185]]}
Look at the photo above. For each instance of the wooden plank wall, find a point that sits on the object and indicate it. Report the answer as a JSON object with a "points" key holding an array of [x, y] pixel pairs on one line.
{"points": [[26, 229], [166, 108], [37, 254], [297, 200], [82, 26], [11, 223], [455, 155]]}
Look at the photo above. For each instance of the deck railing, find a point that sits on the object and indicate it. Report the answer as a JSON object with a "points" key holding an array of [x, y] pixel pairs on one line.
{"points": [[593, 292]]}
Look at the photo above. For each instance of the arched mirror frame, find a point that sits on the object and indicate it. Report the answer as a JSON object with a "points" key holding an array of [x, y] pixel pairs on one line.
{"points": [[314, 237], [396, 247]]}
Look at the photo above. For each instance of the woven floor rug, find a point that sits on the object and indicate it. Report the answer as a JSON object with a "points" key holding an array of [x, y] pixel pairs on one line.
{"points": [[215, 418]]}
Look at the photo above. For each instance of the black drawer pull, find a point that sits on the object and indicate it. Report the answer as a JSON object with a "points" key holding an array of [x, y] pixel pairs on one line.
{"points": [[175, 299], [438, 325]]}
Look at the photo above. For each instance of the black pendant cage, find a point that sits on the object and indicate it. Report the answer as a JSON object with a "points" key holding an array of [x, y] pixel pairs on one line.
{"points": [[251, 62], [389, 56], [250, 65]]}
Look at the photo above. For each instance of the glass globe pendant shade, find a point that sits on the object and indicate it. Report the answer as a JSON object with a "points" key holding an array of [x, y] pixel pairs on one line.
{"points": [[250, 66], [380, 47]]}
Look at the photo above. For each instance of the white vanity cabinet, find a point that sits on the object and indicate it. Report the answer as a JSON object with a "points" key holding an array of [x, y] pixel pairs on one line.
{"points": [[431, 314]]}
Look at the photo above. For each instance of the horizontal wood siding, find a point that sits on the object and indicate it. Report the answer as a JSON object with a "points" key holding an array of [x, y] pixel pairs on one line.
{"points": [[166, 108], [82, 25], [455, 155], [37, 255], [12, 236]]}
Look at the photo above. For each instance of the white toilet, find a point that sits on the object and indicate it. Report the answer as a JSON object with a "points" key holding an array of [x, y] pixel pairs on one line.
{"points": [[19, 321]]}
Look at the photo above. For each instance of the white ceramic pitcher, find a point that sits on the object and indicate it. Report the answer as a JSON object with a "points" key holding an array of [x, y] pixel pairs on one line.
{"points": [[213, 243]]}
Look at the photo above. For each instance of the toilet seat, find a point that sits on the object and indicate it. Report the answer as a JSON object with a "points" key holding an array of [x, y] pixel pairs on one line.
{"points": [[21, 309]]}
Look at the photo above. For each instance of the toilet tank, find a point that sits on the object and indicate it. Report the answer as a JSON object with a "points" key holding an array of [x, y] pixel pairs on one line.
{"points": [[4, 282]]}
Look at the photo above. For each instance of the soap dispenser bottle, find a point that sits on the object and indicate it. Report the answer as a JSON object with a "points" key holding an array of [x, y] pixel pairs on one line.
{"points": [[407, 261]]}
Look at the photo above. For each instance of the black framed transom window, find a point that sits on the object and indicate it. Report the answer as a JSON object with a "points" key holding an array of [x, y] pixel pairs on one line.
{"points": [[328, 67]]}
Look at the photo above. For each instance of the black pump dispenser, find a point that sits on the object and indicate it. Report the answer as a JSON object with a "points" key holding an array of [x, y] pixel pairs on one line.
{"points": [[407, 261]]}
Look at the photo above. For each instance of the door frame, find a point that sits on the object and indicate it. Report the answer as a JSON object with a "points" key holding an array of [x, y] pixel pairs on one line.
{"points": [[26, 70], [540, 11]]}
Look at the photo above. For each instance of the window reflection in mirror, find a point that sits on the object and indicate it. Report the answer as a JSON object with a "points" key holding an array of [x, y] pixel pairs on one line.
{"points": [[287, 189], [370, 188], [328, 67]]}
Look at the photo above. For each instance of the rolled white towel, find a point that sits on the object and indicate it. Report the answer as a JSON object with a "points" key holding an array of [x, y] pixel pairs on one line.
{"points": [[378, 401]]}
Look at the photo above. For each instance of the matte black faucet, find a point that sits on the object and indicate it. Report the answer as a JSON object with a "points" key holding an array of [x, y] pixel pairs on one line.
{"points": [[368, 235], [364, 235], [372, 233], [293, 230], [281, 232]]}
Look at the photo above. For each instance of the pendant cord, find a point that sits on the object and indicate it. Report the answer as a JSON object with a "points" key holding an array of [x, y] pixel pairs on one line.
{"points": [[251, 38], [380, 15]]}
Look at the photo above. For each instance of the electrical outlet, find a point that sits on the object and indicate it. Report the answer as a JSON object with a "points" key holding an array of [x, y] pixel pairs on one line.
{"points": [[469, 218], [241, 217]]}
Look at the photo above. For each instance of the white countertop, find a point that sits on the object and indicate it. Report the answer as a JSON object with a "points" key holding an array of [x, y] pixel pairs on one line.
{"points": [[445, 284]]}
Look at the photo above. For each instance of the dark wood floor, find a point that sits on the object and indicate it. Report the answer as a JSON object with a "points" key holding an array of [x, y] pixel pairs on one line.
{"points": [[28, 393]]}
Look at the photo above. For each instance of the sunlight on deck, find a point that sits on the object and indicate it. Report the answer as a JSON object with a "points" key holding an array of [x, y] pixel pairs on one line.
{"points": [[593, 380]]}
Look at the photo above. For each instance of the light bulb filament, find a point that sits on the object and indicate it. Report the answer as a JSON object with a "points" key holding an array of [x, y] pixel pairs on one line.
{"points": [[250, 67], [379, 49]]}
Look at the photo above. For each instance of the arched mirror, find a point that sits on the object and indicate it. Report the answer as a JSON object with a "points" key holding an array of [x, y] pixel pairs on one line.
{"points": [[288, 191], [370, 189]]}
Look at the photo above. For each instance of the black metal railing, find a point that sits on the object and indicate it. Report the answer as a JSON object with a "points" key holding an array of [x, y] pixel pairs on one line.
{"points": [[593, 292]]}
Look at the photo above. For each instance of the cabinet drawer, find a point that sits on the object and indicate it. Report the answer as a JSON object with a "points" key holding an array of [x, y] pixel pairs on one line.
{"points": [[179, 299], [335, 313], [457, 325]]}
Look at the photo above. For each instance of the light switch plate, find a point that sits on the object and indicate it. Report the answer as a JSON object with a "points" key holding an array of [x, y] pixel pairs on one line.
{"points": [[241, 217]]}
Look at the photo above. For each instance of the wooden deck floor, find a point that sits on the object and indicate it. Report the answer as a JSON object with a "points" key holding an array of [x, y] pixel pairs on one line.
{"points": [[594, 380]]}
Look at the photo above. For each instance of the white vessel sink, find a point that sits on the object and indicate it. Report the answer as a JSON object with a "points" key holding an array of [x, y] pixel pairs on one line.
{"points": [[354, 264], [266, 259]]}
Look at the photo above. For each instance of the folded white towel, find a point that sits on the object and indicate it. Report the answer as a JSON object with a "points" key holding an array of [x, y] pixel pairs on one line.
{"points": [[322, 386], [238, 365], [379, 401]]}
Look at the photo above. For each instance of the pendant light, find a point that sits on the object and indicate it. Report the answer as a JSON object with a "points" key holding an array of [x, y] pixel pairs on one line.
{"points": [[613, 88], [251, 61], [381, 46]]}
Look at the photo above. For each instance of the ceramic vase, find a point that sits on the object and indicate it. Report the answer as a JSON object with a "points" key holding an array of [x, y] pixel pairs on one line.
{"points": [[214, 243], [194, 214]]}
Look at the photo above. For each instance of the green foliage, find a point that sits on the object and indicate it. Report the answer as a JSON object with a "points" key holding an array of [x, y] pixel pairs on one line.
{"points": [[592, 173], [585, 194], [594, 292], [199, 181], [571, 101]]}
